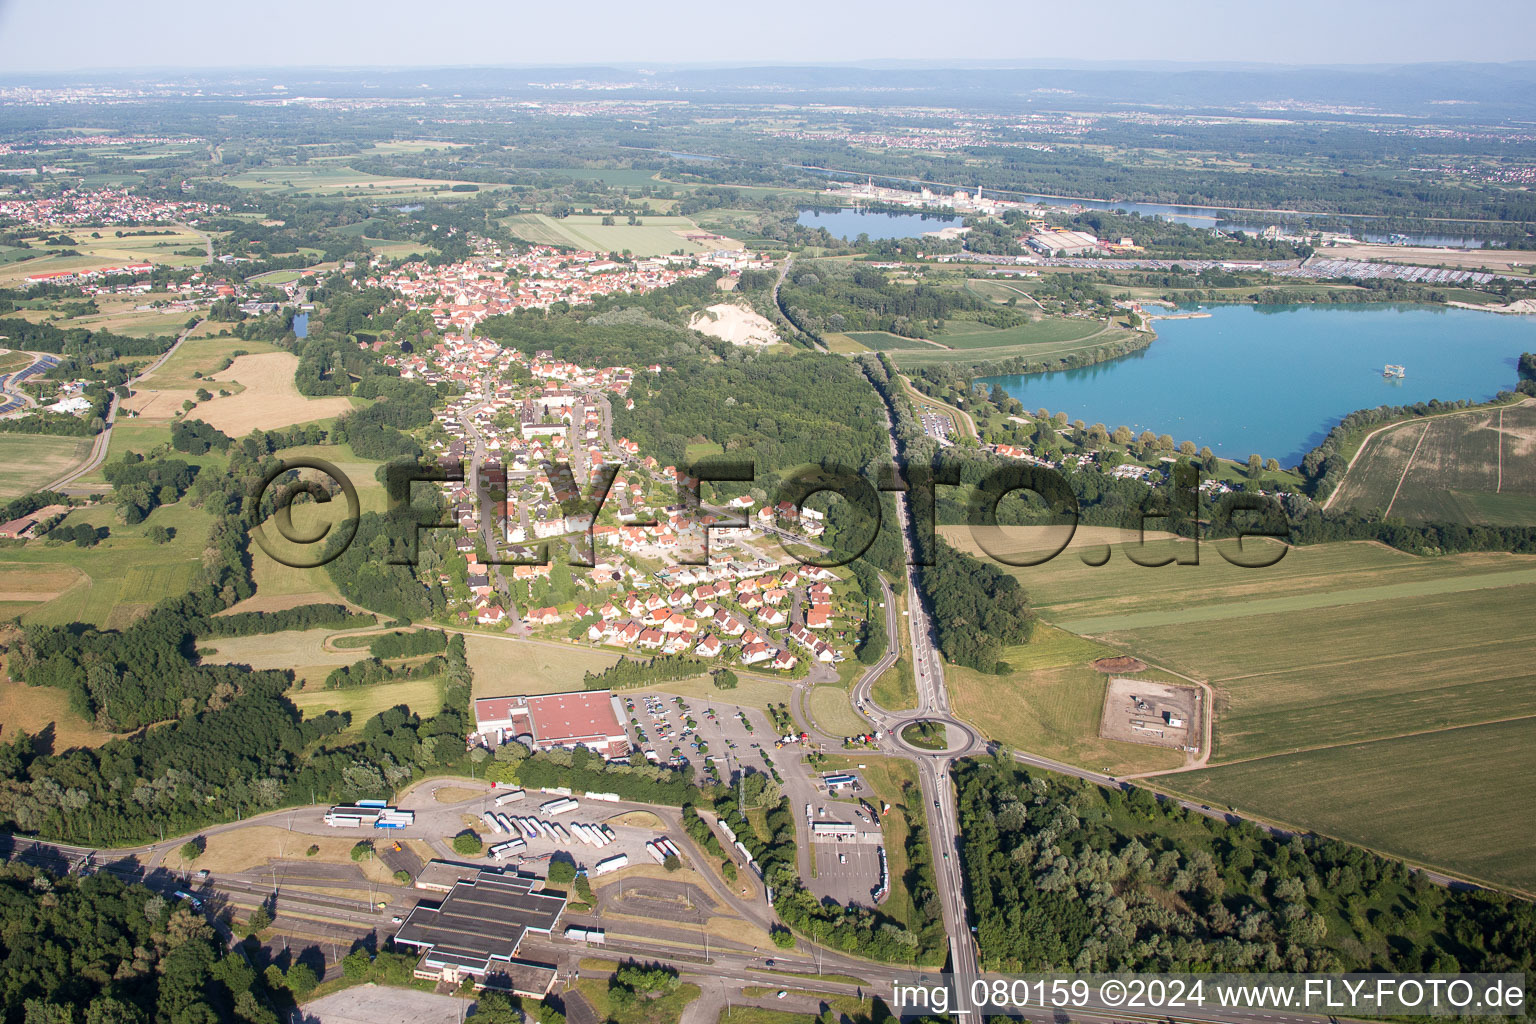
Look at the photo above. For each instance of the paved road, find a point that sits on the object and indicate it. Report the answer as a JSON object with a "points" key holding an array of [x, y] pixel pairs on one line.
{"points": [[104, 439], [489, 522]]}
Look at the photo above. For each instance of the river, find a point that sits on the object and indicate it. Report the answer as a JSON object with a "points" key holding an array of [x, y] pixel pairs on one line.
{"points": [[1275, 379]]}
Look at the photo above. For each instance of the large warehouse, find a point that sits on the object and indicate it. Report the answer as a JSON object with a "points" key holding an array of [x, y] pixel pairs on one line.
{"points": [[477, 928], [584, 718]]}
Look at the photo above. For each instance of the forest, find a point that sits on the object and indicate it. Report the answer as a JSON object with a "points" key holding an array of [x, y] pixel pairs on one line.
{"points": [[977, 608], [1062, 874], [97, 950], [836, 298]]}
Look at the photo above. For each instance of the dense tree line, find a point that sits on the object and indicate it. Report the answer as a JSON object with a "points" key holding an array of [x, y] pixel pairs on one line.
{"points": [[863, 298], [784, 412], [977, 608], [627, 673], [408, 645], [81, 343], [306, 616], [582, 771], [142, 485], [1066, 875], [609, 338], [373, 672], [30, 502], [93, 948], [376, 432], [372, 570]]}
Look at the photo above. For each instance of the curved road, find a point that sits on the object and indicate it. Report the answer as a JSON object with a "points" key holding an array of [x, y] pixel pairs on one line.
{"points": [[104, 439]]}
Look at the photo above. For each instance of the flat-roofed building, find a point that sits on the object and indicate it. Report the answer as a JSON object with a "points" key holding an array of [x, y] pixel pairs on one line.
{"points": [[476, 930], [584, 718]]}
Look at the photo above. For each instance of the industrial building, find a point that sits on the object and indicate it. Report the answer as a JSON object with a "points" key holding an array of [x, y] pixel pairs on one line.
{"points": [[1062, 242], [585, 718], [477, 928]]}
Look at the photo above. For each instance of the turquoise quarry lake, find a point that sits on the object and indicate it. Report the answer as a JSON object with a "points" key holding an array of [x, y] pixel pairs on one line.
{"points": [[1275, 379]]}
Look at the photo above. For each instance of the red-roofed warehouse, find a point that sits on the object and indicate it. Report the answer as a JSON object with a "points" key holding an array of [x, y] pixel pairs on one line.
{"points": [[586, 718]]}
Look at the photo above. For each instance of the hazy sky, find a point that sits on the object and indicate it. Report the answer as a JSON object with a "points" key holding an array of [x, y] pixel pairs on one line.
{"points": [[68, 35]]}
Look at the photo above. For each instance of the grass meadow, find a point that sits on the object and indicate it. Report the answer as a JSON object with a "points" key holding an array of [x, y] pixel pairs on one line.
{"points": [[32, 461], [653, 236]]}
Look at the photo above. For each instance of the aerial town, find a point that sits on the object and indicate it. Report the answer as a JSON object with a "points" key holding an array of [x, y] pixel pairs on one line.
{"points": [[682, 526]]}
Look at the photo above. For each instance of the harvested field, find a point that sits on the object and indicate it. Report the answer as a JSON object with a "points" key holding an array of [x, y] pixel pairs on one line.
{"points": [[269, 399], [506, 665], [1473, 468], [36, 709], [1340, 655], [32, 461], [1461, 259]]}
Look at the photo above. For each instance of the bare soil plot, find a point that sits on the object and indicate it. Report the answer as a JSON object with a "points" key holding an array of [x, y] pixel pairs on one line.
{"points": [[1148, 711], [303, 651], [735, 324], [269, 401], [1463, 259], [253, 846]]}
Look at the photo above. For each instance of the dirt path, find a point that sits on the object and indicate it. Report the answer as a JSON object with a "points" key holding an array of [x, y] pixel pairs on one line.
{"points": [[1500, 486], [104, 439], [1406, 467], [1328, 503]]}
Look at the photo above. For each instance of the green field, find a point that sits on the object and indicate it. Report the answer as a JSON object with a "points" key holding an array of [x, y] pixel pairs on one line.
{"points": [[967, 342], [13, 361], [503, 665], [1450, 798], [1475, 468], [320, 178], [834, 713], [964, 334], [884, 341], [113, 583], [1049, 703], [423, 696], [620, 177], [109, 250], [32, 461], [203, 355], [653, 236], [1336, 646]]}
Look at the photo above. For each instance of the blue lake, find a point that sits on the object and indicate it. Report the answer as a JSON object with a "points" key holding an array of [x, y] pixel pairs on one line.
{"points": [[301, 325], [877, 224], [1275, 379]]}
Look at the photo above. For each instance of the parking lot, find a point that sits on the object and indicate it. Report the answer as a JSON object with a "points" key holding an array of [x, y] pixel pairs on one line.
{"points": [[673, 729], [847, 871], [537, 850]]}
